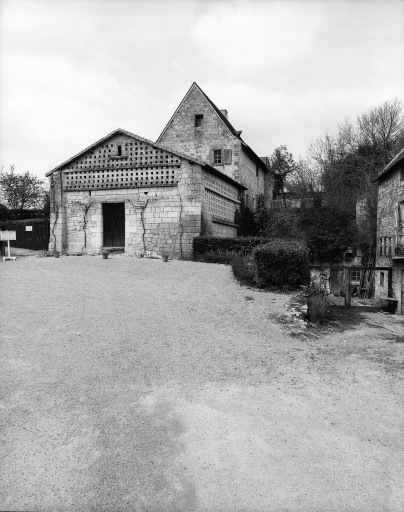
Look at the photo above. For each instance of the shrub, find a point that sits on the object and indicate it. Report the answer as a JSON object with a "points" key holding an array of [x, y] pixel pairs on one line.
{"points": [[234, 246], [214, 257], [281, 223], [244, 269], [282, 263], [245, 218], [318, 308], [5, 213]]}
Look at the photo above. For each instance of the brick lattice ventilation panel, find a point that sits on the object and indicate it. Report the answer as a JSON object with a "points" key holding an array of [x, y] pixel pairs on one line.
{"points": [[219, 206], [221, 188], [122, 164]]}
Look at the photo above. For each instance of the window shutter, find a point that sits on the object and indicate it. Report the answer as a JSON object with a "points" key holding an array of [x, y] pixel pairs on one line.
{"points": [[227, 156], [211, 159]]}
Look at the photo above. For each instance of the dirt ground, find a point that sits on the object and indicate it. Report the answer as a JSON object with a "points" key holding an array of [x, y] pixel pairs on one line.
{"points": [[133, 384]]}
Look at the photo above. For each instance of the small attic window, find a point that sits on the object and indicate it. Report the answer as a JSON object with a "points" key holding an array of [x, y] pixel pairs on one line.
{"points": [[217, 156], [198, 120], [119, 150]]}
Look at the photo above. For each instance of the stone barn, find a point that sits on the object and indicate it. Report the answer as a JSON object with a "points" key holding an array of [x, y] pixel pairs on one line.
{"points": [[127, 192]]}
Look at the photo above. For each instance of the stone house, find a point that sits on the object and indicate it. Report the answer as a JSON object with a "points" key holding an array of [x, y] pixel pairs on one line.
{"points": [[390, 231], [198, 128], [128, 192], [155, 197]]}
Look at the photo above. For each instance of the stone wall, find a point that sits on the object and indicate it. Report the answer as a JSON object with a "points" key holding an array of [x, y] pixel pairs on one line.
{"points": [[220, 202], [256, 185], [389, 235], [200, 142], [157, 219]]}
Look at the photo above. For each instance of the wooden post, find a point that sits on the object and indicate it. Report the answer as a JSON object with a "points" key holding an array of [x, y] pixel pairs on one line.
{"points": [[390, 283], [347, 277]]}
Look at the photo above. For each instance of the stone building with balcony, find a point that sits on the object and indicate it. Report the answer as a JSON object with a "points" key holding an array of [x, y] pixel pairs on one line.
{"points": [[390, 231]]}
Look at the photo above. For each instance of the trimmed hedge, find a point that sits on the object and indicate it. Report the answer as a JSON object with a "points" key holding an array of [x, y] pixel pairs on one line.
{"points": [[240, 245], [282, 263], [244, 269]]}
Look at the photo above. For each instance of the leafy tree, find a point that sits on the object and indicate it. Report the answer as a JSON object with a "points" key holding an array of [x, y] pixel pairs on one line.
{"points": [[281, 164], [21, 191], [328, 232], [46, 204], [245, 219]]}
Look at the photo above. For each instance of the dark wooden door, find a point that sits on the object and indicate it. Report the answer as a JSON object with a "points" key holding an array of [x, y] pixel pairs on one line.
{"points": [[336, 281], [402, 292], [114, 224]]}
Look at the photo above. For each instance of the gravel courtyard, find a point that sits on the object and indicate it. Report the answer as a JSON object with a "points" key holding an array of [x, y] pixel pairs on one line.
{"points": [[133, 384]]}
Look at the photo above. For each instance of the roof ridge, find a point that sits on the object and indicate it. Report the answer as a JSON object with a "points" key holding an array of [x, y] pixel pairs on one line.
{"points": [[397, 158], [223, 118], [394, 160]]}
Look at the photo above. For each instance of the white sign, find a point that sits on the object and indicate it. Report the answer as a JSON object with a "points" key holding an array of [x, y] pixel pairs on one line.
{"points": [[28, 228], [8, 235]]}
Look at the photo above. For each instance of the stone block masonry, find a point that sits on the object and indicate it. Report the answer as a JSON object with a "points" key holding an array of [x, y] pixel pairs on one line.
{"points": [[159, 215], [390, 236], [131, 193], [197, 129]]}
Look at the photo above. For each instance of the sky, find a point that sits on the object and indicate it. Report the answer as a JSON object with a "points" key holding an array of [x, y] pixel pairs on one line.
{"points": [[72, 71]]}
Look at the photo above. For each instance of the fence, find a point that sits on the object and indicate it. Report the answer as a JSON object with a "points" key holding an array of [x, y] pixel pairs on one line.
{"points": [[31, 234]]}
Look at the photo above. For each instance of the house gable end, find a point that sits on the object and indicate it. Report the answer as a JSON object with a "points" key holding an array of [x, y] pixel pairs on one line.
{"points": [[186, 132], [196, 95]]}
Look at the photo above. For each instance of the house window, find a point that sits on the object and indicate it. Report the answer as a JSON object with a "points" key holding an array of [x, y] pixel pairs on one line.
{"points": [[217, 156], [356, 275], [222, 156], [198, 120], [119, 150], [381, 278]]}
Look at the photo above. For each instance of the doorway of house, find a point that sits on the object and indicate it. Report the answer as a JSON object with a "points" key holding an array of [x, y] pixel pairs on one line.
{"points": [[114, 224]]}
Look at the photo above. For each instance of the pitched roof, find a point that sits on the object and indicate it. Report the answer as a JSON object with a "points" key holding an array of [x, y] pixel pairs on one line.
{"points": [[154, 145], [225, 121], [391, 164]]}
